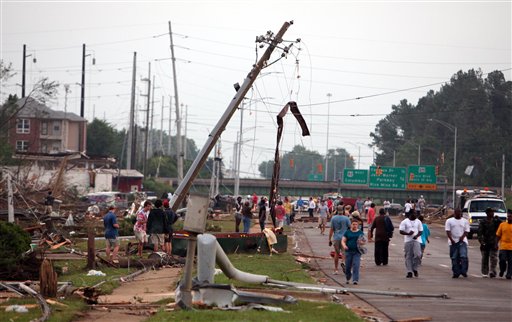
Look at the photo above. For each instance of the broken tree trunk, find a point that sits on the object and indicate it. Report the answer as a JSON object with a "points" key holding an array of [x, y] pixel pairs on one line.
{"points": [[48, 279]]}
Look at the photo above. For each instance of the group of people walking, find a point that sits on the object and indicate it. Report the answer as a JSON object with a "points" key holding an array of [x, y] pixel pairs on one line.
{"points": [[347, 237], [152, 219]]}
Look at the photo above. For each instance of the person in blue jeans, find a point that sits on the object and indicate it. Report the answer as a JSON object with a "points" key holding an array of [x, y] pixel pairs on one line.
{"points": [[247, 216], [352, 254], [457, 229]]}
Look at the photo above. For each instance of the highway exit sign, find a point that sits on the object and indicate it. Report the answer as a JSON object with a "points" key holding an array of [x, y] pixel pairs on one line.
{"points": [[387, 177], [421, 177], [355, 176]]}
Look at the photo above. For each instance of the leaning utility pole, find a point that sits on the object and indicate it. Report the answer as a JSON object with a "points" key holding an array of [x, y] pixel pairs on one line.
{"points": [[184, 186], [161, 141], [10, 198], [131, 138], [170, 125], [179, 152], [185, 110], [23, 71], [145, 161], [236, 166], [150, 151]]}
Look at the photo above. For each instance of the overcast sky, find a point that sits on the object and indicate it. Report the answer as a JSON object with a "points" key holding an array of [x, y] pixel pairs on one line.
{"points": [[348, 49]]}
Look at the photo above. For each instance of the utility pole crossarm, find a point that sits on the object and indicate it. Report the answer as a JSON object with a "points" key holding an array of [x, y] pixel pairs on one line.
{"points": [[199, 161]]}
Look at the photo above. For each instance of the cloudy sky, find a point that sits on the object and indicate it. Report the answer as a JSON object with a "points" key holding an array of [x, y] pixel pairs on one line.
{"points": [[378, 51]]}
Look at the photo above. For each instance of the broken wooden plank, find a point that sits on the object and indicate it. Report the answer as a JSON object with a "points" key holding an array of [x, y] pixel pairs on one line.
{"points": [[11, 288], [45, 308]]}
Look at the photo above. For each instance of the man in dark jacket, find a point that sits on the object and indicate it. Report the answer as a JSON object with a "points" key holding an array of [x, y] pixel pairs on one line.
{"points": [[488, 245], [171, 218], [383, 228], [157, 226]]}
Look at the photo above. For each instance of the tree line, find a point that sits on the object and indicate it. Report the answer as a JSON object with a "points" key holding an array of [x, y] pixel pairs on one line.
{"points": [[480, 108]]}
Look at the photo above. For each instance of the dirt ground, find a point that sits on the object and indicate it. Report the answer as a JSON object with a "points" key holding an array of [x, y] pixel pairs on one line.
{"points": [[129, 302]]}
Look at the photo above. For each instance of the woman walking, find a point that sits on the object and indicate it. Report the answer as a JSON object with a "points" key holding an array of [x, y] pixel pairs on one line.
{"points": [[351, 242]]}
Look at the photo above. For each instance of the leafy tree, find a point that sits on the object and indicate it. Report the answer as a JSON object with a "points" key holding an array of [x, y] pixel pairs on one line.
{"points": [[103, 139], [42, 91], [299, 163], [479, 107]]}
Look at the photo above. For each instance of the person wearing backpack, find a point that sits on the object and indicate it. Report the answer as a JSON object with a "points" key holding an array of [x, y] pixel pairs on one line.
{"points": [[383, 228], [170, 219]]}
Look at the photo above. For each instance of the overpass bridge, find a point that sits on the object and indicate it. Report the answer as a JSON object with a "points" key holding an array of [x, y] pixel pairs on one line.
{"points": [[318, 188]]}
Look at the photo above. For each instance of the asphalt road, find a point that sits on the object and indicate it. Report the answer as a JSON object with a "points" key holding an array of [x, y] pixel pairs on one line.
{"points": [[470, 299]]}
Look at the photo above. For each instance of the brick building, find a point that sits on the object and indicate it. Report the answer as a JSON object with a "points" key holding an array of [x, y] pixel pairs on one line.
{"points": [[39, 129]]}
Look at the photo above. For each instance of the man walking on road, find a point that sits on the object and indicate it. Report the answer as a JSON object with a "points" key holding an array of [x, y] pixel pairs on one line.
{"points": [[488, 243], [457, 229], [339, 225], [504, 235], [383, 228], [412, 229]]}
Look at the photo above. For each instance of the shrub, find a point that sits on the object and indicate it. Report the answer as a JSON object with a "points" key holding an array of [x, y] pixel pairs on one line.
{"points": [[15, 241]]}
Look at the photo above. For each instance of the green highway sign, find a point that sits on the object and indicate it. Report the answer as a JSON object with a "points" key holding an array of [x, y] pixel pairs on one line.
{"points": [[421, 177], [355, 176], [387, 178], [316, 177]]}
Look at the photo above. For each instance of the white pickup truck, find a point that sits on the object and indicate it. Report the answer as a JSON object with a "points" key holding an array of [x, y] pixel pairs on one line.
{"points": [[474, 210]]}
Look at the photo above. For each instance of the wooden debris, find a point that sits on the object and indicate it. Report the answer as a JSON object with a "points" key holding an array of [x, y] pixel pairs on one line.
{"points": [[42, 302], [53, 302], [310, 256], [302, 260]]}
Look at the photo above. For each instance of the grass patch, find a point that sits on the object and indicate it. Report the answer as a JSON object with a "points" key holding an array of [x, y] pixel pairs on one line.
{"points": [[77, 274], [302, 311], [59, 313], [279, 267]]}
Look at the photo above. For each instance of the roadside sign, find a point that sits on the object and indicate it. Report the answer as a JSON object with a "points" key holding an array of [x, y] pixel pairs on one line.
{"points": [[387, 177], [421, 177], [355, 176], [315, 177]]}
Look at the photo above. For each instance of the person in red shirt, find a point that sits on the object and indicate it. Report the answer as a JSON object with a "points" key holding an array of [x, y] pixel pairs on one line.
{"points": [[371, 214], [254, 201], [329, 205]]}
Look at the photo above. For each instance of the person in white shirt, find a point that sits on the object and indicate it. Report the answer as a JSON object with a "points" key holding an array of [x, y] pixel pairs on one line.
{"points": [[407, 207], [412, 229], [311, 207], [457, 229]]}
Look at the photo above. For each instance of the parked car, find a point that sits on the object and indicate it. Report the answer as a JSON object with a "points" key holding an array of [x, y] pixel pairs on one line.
{"points": [[395, 209], [296, 208]]}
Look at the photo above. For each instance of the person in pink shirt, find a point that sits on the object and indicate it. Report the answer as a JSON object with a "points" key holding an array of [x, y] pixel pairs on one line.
{"points": [[139, 228], [280, 214], [371, 214]]}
